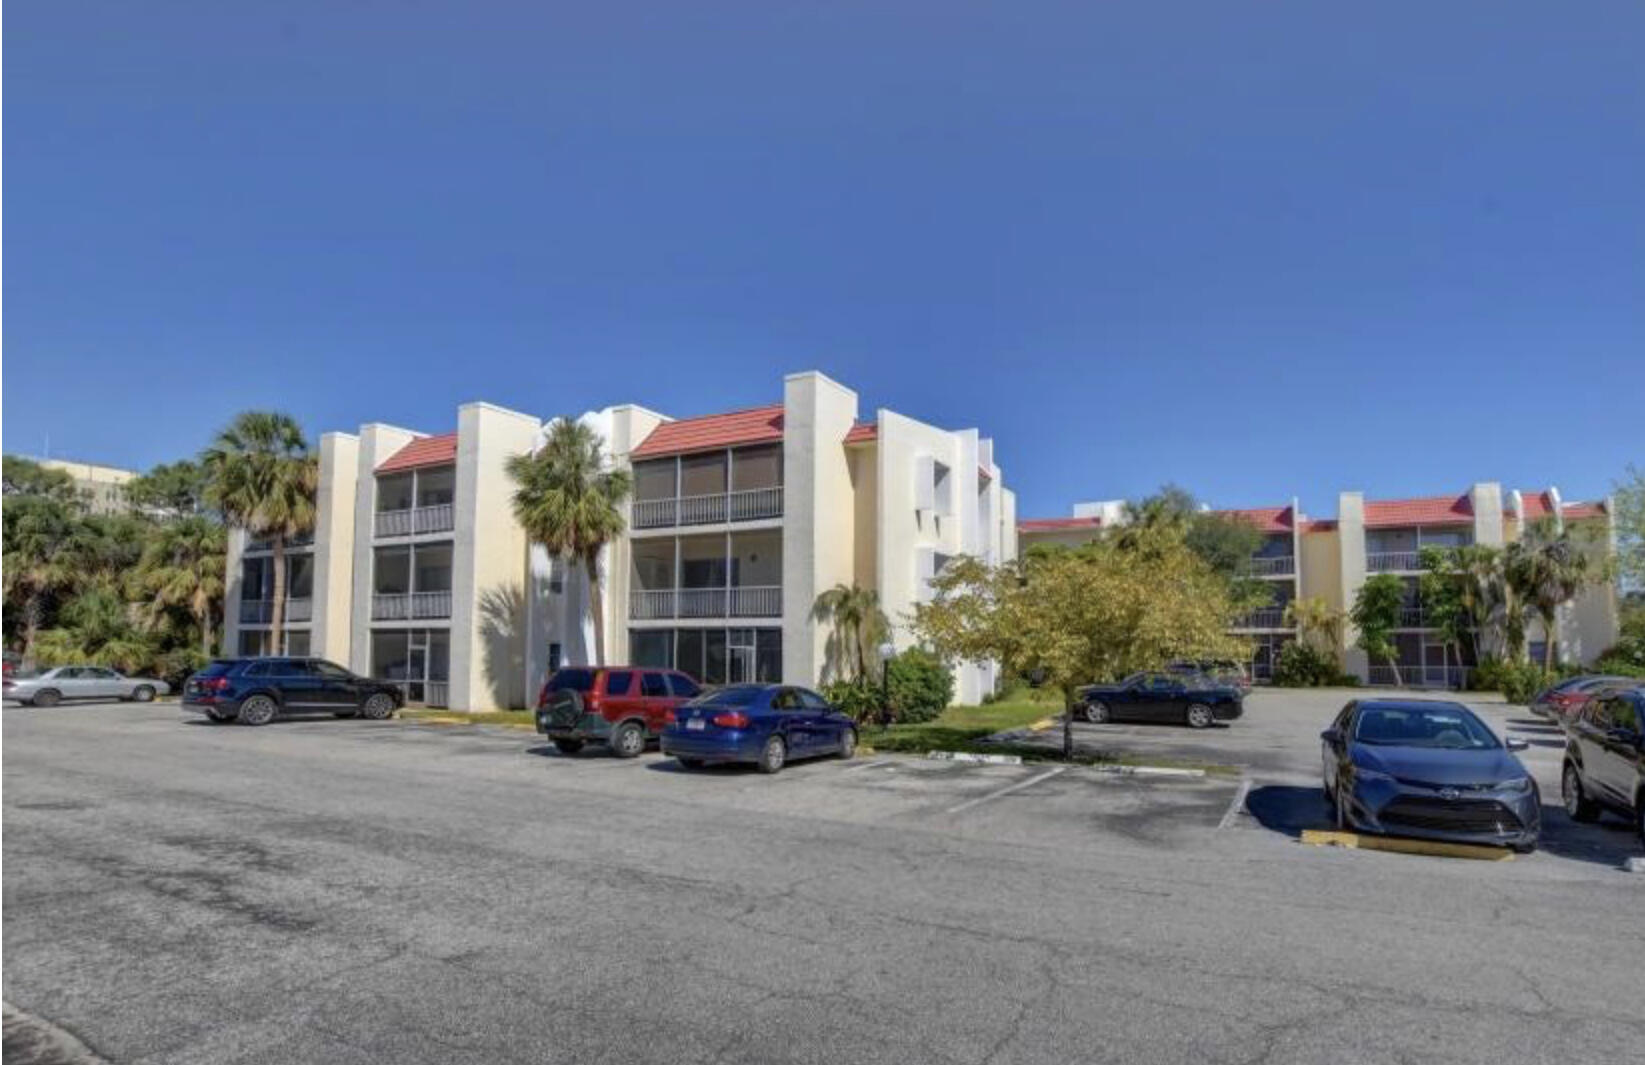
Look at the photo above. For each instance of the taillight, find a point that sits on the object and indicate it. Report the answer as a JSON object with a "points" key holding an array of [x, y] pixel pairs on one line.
{"points": [[216, 684], [542, 697], [673, 716], [735, 719]]}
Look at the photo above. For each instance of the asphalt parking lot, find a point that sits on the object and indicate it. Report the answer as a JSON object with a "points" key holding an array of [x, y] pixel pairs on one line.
{"points": [[342, 891]]}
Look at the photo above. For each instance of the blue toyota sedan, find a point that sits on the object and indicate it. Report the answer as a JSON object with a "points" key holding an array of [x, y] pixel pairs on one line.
{"points": [[768, 725]]}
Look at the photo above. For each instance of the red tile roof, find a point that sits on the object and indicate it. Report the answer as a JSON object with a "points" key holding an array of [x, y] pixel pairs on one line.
{"points": [[1320, 525], [1032, 525], [863, 433], [1431, 510], [1541, 505], [424, 451], [1266, 519], [760, 425], [1584, 510]]}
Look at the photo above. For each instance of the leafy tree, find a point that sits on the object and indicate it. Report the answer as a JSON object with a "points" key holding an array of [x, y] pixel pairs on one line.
{"points": [[171, 488], [263, 478], [1548, 568], [569, 500], [1318, 623], [1376, 615], [1629, 522], [1097, 613], [1442, 587], [1225, 541], [1482, 592], [182, 568], [97, 629], [38, 562], [859, 624], [26, 477]]}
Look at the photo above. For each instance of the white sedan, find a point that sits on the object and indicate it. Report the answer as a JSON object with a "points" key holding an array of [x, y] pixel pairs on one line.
{"points": [[52, 686]]}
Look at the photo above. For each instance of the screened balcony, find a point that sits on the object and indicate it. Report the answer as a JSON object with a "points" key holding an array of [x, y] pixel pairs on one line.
{"points": [[737, 484], [416, 503], [257, 590], [735, 575], [411, 583], [1400, 550]]}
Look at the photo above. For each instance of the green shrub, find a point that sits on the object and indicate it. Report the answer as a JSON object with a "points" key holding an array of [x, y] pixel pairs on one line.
{"points": [[1302, 665], [921, 686], [858, 700], [176, 666], [1519, 682]]}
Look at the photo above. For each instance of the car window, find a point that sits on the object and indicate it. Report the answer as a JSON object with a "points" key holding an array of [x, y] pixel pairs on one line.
{"points": [[653, 686], [330, 670], [1133, 680], [100, 674], [1159, 683], [736, 695], [1624, 714], [572, 680], [785, 699], [291, 667], [618, 683], [217, 668], [810, 700], [683, 686], [1598, 713], [66, 673], [258, 669]]}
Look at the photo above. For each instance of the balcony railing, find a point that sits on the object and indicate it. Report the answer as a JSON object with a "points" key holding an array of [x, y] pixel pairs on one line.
{"points": [[750, 504], [1271, 566], [295, 543], [1412, 617], [261, 611], [436, 694], [1269, 617], [399, 606], [1417, 676], [418, 520], [1392, 561], [760, 601]]}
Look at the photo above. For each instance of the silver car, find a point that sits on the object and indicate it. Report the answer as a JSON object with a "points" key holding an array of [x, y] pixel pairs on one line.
{"points": [[52, 686]]}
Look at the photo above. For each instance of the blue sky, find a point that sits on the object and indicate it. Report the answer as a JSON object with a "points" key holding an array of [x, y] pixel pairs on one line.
{"points": [[1260, 249]]}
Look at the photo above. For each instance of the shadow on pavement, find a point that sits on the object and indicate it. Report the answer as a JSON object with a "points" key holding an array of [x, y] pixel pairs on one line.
{"points": [[1288, 809], [1609, 841]]}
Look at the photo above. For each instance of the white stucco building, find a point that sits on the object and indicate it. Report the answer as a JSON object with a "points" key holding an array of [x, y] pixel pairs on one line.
{"points": [[738, 521]]}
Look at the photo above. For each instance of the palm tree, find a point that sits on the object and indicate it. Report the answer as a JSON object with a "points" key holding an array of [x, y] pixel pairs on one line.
{"points": [[1481, 589], [1551, 569], [858, 621], [182, 568], [263, 477], [569, 500], [38, 560], [1317, 621]]}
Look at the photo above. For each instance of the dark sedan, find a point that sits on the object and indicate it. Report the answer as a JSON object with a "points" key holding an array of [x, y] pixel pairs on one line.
{"points": [[1190, 700], [1413, 767], [766, 724]]}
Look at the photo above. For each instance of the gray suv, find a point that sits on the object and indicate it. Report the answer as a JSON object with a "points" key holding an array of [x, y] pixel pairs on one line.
{"points": [[1605, 759]]}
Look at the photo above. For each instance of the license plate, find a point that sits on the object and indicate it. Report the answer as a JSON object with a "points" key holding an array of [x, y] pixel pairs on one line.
{"points": [[696, 724]]}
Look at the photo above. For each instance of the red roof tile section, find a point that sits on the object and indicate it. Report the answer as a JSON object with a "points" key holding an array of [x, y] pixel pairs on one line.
{"points": [[1433, 510], [1584, 510], [424, 451], [761, 425], [1266, 519], [863, 433], [1541, 505], [1057, 524]]}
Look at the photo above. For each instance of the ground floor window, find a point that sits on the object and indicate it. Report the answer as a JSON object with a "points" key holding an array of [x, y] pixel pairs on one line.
{"points": [[297, 644], [712, 656], [419, 660], [1265, 649]]}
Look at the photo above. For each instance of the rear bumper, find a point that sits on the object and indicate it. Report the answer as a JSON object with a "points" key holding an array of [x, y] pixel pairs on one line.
{"points": [[721, 746], [222, 707], [1228, 711], [590, 728]]}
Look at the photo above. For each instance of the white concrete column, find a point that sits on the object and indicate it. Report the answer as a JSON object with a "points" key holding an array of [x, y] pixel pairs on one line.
{"points": [[1351, 544], [1486, 500], [332, 632], [818, 513], [233, 593], [376, 443]]}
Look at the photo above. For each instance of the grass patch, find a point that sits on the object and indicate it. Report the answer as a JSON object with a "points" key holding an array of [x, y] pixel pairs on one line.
{"points": [[509, 718]]}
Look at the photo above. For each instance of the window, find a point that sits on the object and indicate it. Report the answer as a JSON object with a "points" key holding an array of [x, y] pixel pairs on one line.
{"points": [[554, 653], [99, 674], [291, 667], [736, 695], [756, 467], [394, 492], [654, 480], [702, 475], [652, 686], [683, 686], [1157, 683], [572, 680], [810, 700], [297, 643], [651, 647], [618, 683], [1623, 714], [259, 669], [785, 699], [330, 670]]}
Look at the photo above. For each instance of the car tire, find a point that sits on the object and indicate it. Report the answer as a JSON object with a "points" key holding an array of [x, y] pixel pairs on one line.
{"points": [[1095, 713], [1523, 848], [143, 693], [628, 740], [257, 710], [848, 744], [1340, 806], [773, 755], [689, 763], [1200, 716], [568, 746], [1326, 790], [46, 697], [1639, 817], [378, 707], [1577, 804]]}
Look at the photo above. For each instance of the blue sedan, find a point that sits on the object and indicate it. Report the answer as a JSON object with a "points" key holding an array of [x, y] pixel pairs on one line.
{"points": [[765, 724]]}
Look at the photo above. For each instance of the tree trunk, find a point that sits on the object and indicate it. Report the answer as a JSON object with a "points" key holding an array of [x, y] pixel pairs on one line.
{"points": [[205, 632], [31, 628], [277, 611], [1550, 623], [1393, 664], [1068, 724], [596, 605]]}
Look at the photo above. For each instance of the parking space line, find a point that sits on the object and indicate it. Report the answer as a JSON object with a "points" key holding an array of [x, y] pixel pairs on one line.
{"points": [[1236, 805], [1018, 786], [867, 765]]}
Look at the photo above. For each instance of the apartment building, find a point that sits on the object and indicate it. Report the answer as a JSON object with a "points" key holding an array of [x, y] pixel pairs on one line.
{"points": [[418, 572], [1331, 558]]}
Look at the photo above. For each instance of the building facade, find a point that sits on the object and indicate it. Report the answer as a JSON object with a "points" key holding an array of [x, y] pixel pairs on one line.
{"points": [[418, 572], [1330, 559]]}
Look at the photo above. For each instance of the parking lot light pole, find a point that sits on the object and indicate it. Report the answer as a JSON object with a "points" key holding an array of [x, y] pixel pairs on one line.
{"points": [[886, 650], [1067, 727]]}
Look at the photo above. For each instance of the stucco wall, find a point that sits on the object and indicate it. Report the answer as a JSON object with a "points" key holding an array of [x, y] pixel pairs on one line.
{"points": [[819, 513], [376, 443], [332, 633], [1351, 570]]}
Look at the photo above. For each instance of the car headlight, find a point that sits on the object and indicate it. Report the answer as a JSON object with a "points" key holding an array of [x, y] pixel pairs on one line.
{"points": [[1517, 786]]}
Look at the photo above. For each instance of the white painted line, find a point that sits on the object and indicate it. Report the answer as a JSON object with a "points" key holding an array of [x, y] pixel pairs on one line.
{"points": [[1236, 805], [1018, 786], [1147, 771], [980, 759], [867, 765]]}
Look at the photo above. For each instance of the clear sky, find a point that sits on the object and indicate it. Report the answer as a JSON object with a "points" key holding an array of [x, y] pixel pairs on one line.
{"points": [[1257, 248]]}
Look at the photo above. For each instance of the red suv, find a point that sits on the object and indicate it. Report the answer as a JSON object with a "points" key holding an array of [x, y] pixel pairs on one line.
{"points": [[623, 707]]}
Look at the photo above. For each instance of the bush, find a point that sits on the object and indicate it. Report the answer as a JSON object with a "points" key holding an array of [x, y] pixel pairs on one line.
{"points": [[921, 686], [176, 666], [858, 700], [1302, 665], [1519, 682]]}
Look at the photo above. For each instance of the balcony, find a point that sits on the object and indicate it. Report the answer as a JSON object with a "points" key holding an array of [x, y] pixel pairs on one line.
{"points": [[762, 601], [414, 521], [751, 504], [1269, 617], [261, 611], [1412, 617], [1392, 562], [294, 543], [410, 606], [1271, 566]]}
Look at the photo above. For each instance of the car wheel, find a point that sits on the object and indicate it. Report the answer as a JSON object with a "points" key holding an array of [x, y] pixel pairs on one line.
{"points": [[1577, 804], [848, 744], [378, 707], [1523, 848], [568, 746], [257, 710], [143, 694], [773, 755], [1096, 713], [628, 740], [1325, 788], [1344, 824], [1200, 716], [689, 763], [47, 697]]}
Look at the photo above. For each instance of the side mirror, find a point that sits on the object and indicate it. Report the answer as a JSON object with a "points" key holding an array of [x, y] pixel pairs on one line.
{"points": [[1332, 736], [1516, 744]]}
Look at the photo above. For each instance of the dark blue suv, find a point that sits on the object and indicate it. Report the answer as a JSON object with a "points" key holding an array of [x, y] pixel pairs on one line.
{"points": [[254, 691]]}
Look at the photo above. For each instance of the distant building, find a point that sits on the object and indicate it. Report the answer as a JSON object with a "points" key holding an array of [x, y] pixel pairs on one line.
{"points": [[103, 487]]}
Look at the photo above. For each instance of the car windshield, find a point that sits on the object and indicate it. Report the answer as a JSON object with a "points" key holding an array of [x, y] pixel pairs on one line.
{"points": [[572, 680], [1133, 680], [1439, 727], [736, 695]]}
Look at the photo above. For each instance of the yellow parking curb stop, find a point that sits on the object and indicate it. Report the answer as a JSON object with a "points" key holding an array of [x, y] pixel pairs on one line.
{"points": [[1042, 724], [1433, 848]]}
